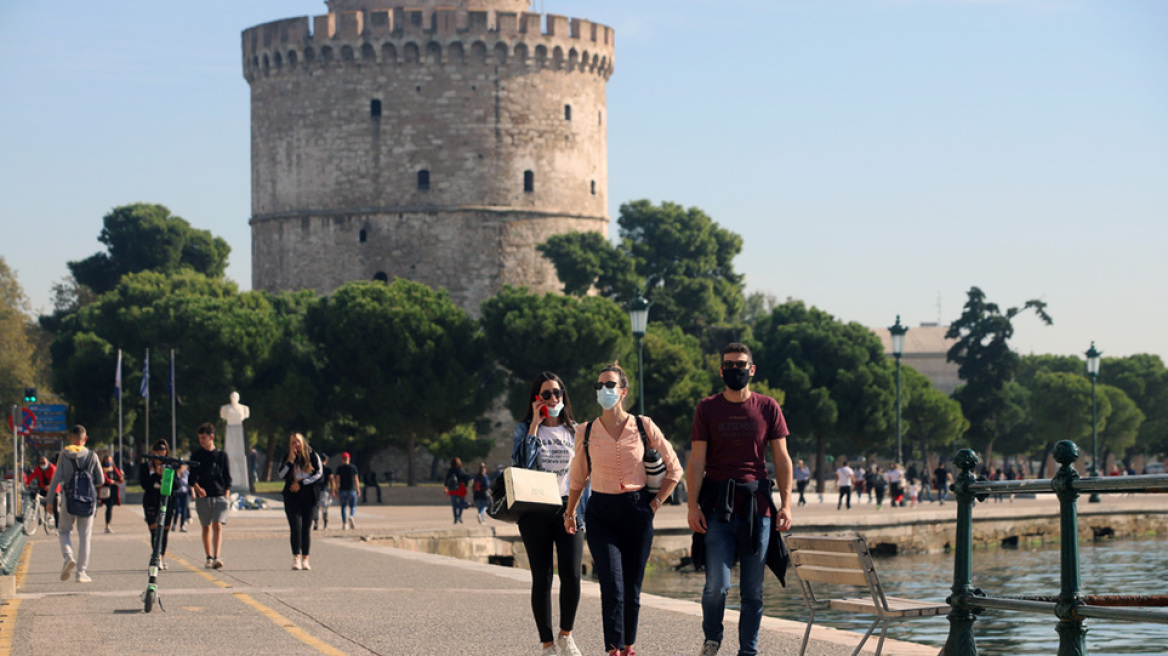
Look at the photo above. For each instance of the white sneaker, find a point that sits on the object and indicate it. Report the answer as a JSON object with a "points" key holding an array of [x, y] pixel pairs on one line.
{"points": [[210, 563], [567, 645], [352, 526], [548, 651], [82, 577], [304, 564], [67, 568], [296, 563], [710, 648], [218, 564]]}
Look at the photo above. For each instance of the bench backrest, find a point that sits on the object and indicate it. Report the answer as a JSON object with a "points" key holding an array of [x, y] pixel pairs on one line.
{"points": [[835, 560]]}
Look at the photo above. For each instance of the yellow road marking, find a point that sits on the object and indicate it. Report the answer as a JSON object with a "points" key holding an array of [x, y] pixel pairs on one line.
{"points": [[281, 621], [9, 607], [289, 626]]}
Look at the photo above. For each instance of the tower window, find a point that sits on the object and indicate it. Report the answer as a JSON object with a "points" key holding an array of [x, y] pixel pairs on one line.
{"points": [[567, 112], [363, 236], [529, 181], [593, 187], [381, 276], [375, 108], [423, 180]]}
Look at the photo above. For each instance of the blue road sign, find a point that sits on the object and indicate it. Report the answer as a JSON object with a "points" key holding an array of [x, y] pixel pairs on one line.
{"points": [[49, 418]]}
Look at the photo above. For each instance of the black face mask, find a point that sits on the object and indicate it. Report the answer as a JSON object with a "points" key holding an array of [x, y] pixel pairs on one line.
{"points": [[736, 379]]}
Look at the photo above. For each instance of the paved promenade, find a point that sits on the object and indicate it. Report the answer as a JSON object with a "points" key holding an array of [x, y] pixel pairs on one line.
{"points": [[359, 598]]}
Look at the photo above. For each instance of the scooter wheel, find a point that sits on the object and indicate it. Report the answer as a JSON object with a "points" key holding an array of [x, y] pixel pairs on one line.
{"points": [[149, 600]]}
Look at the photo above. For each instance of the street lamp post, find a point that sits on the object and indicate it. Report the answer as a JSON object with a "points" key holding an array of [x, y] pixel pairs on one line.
{"points": [[1093, 373], [639, 318], [897, 331]]}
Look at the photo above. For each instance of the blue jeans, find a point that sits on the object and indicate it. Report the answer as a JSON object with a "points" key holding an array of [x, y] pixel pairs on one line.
{"points": [[721, 545], [348, 499], [457, 504]]}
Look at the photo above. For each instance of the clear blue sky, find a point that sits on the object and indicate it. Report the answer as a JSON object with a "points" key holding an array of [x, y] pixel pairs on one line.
{"points": [[878, 156]]}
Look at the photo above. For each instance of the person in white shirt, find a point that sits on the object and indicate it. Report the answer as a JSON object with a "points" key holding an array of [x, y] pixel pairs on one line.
{"points": [[844, 477], [895, 478]]}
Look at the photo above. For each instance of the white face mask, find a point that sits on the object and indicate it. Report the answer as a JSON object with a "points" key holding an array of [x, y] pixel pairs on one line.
{"points": [[555, 410], [608, 398]]}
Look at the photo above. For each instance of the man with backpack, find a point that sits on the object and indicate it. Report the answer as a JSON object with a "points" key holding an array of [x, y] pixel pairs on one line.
{"points": [[79, 473]]}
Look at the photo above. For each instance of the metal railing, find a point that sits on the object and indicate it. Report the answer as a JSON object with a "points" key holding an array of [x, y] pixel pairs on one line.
{"points": [[1069, 606]]}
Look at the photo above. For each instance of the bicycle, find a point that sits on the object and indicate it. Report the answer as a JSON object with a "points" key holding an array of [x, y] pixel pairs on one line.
{"points": [[36, 513], [171, 465]]}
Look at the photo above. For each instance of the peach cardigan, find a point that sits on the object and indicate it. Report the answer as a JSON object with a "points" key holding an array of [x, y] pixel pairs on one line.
{"points": [[616, 463]]}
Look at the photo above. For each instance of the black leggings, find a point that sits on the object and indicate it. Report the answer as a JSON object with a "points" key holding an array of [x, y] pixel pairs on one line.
{"points": [[298, 508], [109, 510], [152, 521], [540, 534]]}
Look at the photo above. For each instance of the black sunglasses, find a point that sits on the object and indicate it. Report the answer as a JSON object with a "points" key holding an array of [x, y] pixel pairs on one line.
{"points": [[609, 384], [547, 395], [736, 364]]}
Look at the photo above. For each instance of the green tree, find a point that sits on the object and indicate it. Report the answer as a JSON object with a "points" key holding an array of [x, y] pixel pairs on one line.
{"points": [[986, 364], [1123, 423], [1144, 378], [1030, 365], [18, 365], [1061, 406], [462, 442], [676, 379], [401, 359], [680, 259], [932, 419], [838, 383], [146, 237], [571, 337]]}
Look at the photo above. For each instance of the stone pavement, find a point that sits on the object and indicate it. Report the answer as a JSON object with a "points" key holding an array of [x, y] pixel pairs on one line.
{"points": [[358, 599]]}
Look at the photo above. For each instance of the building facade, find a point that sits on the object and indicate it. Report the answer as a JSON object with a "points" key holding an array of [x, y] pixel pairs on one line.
{"points": [[439, 141]]}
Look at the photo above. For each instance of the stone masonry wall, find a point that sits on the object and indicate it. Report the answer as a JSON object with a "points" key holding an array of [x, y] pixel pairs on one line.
{"points": [[506, 117]]}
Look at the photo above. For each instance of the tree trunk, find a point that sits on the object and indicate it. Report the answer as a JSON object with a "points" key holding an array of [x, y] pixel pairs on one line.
{"points": [[820, 462], [987, 464], [1045, 456], [412, 475], [271, 456]]}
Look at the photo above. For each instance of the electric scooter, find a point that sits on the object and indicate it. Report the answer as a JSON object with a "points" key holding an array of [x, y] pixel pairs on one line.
{"points": [[170, 466]]}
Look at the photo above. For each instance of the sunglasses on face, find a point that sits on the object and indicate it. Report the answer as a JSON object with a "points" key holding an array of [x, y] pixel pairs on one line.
{"points": [[736, 364], [609, 384], [547, 395]]}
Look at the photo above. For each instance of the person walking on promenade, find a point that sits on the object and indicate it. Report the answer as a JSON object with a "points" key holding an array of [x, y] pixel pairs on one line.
{"points": [[895, 478], [324, 494], [731, 500], [545, 441], [75, 458], [914, 492], [802, 477], [180, 498], [371, 484], [455, 483], [858, 480], [610, 452], [110, 494], [150, 477], [348, 486], [481, 486], [877, 484], [844, 477], [211, 483], [941, 480], [301, 471]]}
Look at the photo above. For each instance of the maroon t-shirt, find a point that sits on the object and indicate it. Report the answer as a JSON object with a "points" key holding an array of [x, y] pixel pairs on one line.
{"points": [[737, 437]]}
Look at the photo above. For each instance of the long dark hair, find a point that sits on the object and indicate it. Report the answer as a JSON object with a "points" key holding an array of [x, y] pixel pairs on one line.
{"points": [[566, 415]]}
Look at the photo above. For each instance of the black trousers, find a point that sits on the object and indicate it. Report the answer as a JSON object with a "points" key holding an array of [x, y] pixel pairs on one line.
{"points": [[802, 487], [541, 534], [298, 508], [620, 535], [152, 515]]}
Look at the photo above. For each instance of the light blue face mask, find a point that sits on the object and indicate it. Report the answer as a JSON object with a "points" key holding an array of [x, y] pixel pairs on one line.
{"points": [[555, 410], [608, 398]]}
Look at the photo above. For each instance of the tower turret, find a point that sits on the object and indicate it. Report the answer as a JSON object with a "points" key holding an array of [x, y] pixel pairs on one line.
{"points": [[440, 141]]}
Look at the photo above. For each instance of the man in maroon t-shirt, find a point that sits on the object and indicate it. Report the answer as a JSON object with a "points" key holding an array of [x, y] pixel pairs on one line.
{"points": [[731, 433]]}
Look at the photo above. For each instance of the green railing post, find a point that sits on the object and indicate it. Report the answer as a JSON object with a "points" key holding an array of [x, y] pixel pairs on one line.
{"points": [[1072, 633], [961, 641]]}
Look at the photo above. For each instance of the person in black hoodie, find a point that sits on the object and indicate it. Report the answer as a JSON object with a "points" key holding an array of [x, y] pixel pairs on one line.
{"points": [[301, 471], [211, 485], [150, 475]]}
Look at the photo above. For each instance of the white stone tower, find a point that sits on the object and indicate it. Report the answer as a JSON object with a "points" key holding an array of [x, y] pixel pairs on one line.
{"points": [[439, 141]]}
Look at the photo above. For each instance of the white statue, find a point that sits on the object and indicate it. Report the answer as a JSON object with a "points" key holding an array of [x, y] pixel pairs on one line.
{"points": [[235, 412], [235, 444]]}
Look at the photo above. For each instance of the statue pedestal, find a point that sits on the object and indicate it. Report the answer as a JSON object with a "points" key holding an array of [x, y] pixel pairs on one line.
{"points": [[233, 444]]}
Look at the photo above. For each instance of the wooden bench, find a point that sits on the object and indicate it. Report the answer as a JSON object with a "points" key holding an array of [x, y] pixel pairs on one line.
{"points": [[847, 561]]}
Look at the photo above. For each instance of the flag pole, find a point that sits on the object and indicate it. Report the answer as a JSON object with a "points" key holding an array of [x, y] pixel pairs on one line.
{"points": [[118, 386], [173, 423]]}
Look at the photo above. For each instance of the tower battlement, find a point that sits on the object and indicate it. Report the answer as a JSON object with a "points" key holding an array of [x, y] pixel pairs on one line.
{"points": [[441, 35]]}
